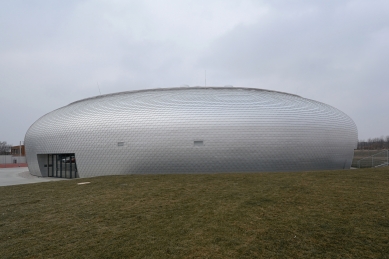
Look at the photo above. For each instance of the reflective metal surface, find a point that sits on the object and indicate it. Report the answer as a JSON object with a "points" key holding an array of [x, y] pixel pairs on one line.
{"points": [[194, 130]]}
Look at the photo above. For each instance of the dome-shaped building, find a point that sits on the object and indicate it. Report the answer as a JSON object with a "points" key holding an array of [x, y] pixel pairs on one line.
{"points": [[190, 130]]}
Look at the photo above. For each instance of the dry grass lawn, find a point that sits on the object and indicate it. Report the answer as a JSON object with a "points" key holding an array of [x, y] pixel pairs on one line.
{"points": [[327, 214]]}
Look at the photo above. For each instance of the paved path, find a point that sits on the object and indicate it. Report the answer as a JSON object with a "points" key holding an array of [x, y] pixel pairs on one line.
{"points": [[21, 175]]}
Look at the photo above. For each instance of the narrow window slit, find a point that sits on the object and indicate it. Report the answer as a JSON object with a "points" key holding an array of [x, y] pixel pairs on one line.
{"points": [[198, 143]]}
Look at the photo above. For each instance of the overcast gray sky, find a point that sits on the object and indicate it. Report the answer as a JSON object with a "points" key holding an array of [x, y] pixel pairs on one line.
{"points": [[56, 52]]}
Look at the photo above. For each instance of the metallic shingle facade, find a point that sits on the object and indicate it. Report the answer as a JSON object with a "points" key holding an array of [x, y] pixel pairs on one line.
{"points": [[194, 130]]}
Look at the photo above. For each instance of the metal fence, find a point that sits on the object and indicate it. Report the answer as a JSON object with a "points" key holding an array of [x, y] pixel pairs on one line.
{"points": [[376, 160]]}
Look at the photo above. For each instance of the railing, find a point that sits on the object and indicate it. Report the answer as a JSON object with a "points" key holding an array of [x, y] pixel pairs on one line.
{"points": [[376, 160]]}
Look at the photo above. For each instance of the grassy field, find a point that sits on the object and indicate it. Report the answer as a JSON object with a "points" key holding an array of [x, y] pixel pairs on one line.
{"points": [[359, 154], [327, 214]]}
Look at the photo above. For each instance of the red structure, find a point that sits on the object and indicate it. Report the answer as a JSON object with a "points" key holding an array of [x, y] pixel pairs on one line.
{"points": [[13, 165]]}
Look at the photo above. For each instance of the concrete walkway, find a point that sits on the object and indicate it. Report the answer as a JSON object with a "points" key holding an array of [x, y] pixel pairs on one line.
{"points": [[21, 175]]}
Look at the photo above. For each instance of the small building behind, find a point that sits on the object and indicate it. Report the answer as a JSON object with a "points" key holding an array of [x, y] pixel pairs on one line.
{"points": [[18, 154], [18, 151]]}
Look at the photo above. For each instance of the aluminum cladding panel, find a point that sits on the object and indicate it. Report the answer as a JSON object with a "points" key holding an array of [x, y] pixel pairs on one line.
{"points": [[195, 130]]}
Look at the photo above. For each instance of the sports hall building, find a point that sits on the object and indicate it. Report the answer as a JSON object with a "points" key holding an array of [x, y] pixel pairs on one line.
{"points": [[190, 130]]}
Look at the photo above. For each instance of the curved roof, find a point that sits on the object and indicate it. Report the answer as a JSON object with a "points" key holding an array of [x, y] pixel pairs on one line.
{"points": [[179, 88]]}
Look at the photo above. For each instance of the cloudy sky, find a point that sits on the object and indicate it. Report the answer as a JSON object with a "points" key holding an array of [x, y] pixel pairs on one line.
{"points": [[56, 52]]}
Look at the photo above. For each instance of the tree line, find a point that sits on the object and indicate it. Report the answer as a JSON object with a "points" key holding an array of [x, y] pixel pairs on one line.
{"points": [[374, 143], [5, 148]]}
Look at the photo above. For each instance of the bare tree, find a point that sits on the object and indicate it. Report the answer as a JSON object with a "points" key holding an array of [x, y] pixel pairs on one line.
{"points": [[4, 148], [374, 143]]}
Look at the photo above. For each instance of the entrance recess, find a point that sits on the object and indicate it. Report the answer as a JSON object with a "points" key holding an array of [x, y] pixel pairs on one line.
{"points": [[62, 165]]}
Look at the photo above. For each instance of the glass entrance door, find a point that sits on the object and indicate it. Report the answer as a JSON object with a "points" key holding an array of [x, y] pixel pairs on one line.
{"points": [[62, 165]]}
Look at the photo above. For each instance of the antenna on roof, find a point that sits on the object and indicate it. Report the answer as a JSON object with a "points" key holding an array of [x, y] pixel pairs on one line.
{"points": [[205, 78], [98, 87]]}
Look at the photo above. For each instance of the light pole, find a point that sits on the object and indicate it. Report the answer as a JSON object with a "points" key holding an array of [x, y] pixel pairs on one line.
{"points": [[20, 152]]}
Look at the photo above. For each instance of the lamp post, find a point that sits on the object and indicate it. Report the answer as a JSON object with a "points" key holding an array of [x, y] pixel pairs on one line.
{"points": [[20, 152]]}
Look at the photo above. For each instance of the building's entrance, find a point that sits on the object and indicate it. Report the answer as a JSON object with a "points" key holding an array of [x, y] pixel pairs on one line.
{"points": [[62, 165]]}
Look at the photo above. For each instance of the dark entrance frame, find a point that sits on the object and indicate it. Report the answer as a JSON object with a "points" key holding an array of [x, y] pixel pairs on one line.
{"points": [[62, 166]]}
